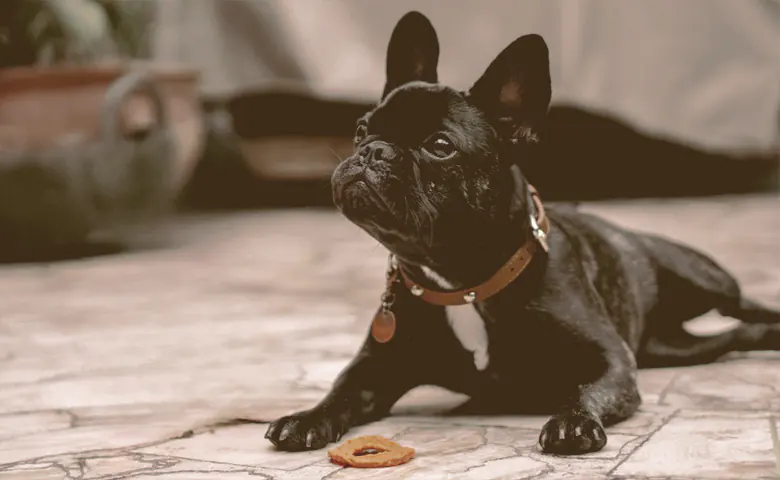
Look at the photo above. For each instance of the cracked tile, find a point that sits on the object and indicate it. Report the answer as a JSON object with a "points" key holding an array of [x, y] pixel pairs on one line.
{"points": [[577, 468], [488, 462], [31, 423], [34, 472], [706, 445], [111, 466], [37, 434], [246, 445], [645, 421], [105, 362], [165, 384], [433, 440], [210, 474], [82, 439], [738, 384], [237, 445], [526, 441], [654, 382], [149, 466]]}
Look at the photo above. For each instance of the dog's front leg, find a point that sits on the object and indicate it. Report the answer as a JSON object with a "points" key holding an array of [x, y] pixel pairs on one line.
{"points": [[579, 426], [365, 391], [377, 377]]}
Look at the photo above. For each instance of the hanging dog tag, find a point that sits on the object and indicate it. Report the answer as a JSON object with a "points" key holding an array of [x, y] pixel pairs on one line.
{"points": [[383, 327]]}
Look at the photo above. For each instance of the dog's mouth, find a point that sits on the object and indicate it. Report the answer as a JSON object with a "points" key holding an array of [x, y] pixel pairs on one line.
{"points": [[373, 191], [367, 200], [384, 207], [355, 194], [357, 191]]}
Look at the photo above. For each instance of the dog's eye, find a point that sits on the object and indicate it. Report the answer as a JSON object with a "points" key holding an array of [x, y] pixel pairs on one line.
{"points": [[440, 147], [360, 133]]}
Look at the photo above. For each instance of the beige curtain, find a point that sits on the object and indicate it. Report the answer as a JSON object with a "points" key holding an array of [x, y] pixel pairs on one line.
{"points": [[705, 72]]}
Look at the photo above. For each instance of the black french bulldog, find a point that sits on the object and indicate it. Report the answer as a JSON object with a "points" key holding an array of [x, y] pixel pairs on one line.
{"points": [[435, 179]]}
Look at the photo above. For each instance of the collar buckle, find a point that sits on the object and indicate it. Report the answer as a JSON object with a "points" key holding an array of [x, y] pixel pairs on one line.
{"points": [[505, 275]]}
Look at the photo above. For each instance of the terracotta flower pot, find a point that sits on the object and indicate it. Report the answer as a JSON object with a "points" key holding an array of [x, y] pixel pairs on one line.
{"points": [[82, 150]]}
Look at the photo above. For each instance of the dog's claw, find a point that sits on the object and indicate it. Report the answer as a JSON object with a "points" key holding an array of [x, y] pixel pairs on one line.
{"points": [[572, 434], [309, 430], [286, 430]]}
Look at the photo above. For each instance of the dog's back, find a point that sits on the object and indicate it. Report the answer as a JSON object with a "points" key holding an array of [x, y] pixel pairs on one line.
{"points": [[652, 285], [617, 263]]}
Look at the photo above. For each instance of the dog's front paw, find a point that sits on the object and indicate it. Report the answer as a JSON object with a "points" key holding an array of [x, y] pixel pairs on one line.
{"points": [[309, 430], [572, 433]]}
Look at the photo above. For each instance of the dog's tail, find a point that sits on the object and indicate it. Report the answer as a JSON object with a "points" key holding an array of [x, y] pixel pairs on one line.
{"points": [[750, 311], [704, 279]]}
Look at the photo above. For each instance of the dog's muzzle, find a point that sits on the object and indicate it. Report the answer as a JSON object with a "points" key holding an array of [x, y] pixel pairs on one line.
{"points": [[363, 174]]}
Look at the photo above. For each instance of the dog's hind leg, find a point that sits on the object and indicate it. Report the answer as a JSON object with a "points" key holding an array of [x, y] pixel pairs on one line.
{"points": [[685, 349], [691, 284], [750, 311]]}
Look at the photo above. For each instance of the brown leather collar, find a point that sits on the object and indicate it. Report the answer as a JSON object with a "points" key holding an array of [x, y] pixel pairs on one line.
{"points": [[540, 227], [384, 324]]}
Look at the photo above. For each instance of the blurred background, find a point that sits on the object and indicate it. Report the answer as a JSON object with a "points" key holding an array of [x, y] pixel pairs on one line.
{"points": [[111, 110], [170, 258]]}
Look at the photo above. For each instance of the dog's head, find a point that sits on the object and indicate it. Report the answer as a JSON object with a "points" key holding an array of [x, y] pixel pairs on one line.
{"points": [[434, 168]]}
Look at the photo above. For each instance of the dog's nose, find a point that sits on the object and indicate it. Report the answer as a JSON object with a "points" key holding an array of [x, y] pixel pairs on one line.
{"points": [[378, 151]]}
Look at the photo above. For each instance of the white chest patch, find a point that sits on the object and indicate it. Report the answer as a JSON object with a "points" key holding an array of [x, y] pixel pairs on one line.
{"points": [[467, 324]]}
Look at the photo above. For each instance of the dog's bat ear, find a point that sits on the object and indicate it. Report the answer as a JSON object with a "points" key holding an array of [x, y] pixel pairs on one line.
{"points": [[413, 52], [515, 89]]}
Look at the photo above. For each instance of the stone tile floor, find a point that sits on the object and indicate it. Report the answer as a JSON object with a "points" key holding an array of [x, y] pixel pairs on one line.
{"points": [[138, 365]]}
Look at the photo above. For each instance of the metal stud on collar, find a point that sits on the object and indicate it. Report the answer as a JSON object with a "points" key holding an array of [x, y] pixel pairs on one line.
{"points": [[416, 290], [539, 234], [388, 297], [470, 297]]}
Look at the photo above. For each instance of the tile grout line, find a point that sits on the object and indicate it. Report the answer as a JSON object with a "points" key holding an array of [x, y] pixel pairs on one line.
{"points": [[643, 442], [667, 388], [775, 442]]}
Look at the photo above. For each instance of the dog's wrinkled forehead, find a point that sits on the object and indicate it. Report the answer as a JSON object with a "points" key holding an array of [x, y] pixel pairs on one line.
{"points": [[417, 110]]}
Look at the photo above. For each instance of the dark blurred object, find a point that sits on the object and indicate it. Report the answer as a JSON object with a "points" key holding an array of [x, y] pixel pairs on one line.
{"points": [[282, 148], [272, 150], [86, 151], [17, 43], [226, 178], [585, 155], [130, 23], [293, 137], [45, 32], [221, 179]]}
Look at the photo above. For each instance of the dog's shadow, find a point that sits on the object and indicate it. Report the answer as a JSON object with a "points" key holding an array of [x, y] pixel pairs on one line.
{"points": [[471, 407], [493, 408]]}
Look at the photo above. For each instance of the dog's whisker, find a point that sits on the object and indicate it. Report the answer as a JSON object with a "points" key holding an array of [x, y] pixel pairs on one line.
{"points": [[416, 221], [430, 226], [429, 210], [335, 155], [406, 210]]}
